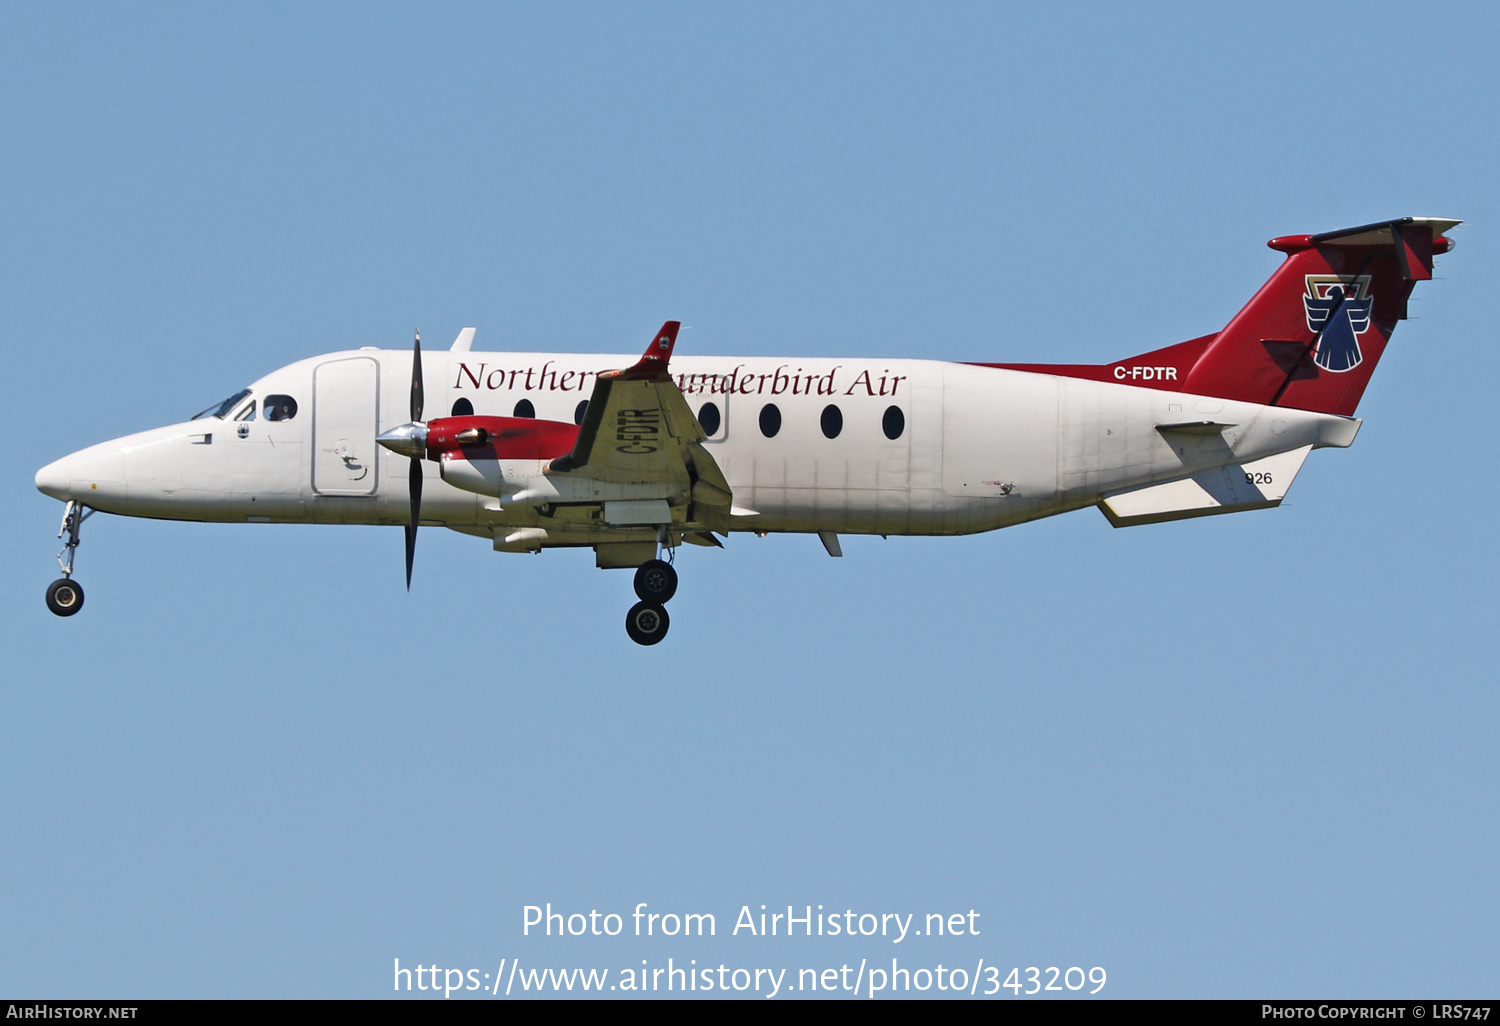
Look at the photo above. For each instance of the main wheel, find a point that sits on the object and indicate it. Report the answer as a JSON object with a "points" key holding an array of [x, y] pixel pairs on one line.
{"points": [[64, 596], [647, 623], [655, 581]]}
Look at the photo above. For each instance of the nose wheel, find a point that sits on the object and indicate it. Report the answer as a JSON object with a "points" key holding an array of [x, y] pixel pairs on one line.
{"points": [[65, 595]]}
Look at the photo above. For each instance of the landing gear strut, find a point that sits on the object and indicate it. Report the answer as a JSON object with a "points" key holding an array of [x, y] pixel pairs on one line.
{"points": [[655, 584], [65, 595]]}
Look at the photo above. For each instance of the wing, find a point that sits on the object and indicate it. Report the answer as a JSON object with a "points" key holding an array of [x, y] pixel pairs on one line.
{"points": [[639, 430]]}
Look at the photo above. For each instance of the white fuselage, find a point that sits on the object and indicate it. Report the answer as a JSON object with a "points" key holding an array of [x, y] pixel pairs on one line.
{"points": [[978, 448]]}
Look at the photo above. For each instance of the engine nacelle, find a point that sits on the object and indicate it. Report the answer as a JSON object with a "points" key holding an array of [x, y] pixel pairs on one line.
{"points": [[493, 455], [499, 478]]}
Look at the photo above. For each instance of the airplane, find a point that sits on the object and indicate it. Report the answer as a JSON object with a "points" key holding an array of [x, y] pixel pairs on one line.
{"points": [[536, 451]]}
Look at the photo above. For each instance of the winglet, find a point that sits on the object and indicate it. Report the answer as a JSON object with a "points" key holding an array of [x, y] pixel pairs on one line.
{"points": [[653, 363]]}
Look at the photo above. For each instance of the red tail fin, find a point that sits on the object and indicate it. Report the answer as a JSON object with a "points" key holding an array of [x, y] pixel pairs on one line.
{"points": [[1310, 338]]}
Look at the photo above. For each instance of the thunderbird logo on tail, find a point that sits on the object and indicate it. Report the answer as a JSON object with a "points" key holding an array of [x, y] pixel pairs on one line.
{"points": [[1338, 310]]}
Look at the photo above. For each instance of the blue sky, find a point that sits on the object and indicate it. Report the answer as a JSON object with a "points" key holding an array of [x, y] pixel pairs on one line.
{"points": [[1250, 755]]}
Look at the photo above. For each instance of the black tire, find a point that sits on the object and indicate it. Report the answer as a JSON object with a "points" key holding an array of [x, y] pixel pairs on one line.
{"points": [[655, 581], [647, 623], [64, 596]]}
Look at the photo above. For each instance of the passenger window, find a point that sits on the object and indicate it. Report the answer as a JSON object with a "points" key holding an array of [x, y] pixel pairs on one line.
{"points": [[462, 407], [525, 409], [832, 420], [894, 422], [578, 414], [248, 413], [708, 418], [280, 407], [770, 420]]}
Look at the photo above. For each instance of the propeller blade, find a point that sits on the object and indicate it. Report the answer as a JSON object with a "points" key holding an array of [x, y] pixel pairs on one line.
{"points": [[416, 378], [412, 439], [414, 486]]}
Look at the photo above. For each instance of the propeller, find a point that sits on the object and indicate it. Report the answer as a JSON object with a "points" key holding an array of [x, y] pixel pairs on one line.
{"points": [[414, 473], [411, 440]]}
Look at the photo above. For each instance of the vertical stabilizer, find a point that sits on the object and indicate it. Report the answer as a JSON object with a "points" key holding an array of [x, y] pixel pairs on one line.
{"points": [[1310, 338]]}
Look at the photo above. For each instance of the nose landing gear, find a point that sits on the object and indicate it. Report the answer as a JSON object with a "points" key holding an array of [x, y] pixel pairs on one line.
{"points": [[65, 595]]}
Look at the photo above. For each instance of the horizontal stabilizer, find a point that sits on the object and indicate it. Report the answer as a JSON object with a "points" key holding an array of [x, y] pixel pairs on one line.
{"points": [[1261, 484], [1384, 233]]}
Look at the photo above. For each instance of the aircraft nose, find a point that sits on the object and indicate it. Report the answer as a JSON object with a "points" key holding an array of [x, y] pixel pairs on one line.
{"points": [[56, 480]]}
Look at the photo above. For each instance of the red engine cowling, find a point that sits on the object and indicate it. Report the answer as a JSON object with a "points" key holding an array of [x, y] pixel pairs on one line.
{"points": [[499, 438]]}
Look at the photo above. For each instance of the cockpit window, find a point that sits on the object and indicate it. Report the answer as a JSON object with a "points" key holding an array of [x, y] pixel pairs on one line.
{"points": [[220, 409], [280, 407], [248, 413]]}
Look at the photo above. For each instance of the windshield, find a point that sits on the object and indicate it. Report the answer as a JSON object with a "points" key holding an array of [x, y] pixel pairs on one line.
{"points": [[219, 409]]}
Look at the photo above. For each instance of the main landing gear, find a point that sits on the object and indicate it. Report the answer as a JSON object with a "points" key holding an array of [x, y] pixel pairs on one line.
{"points": [[65, 595], [647, 621]]}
